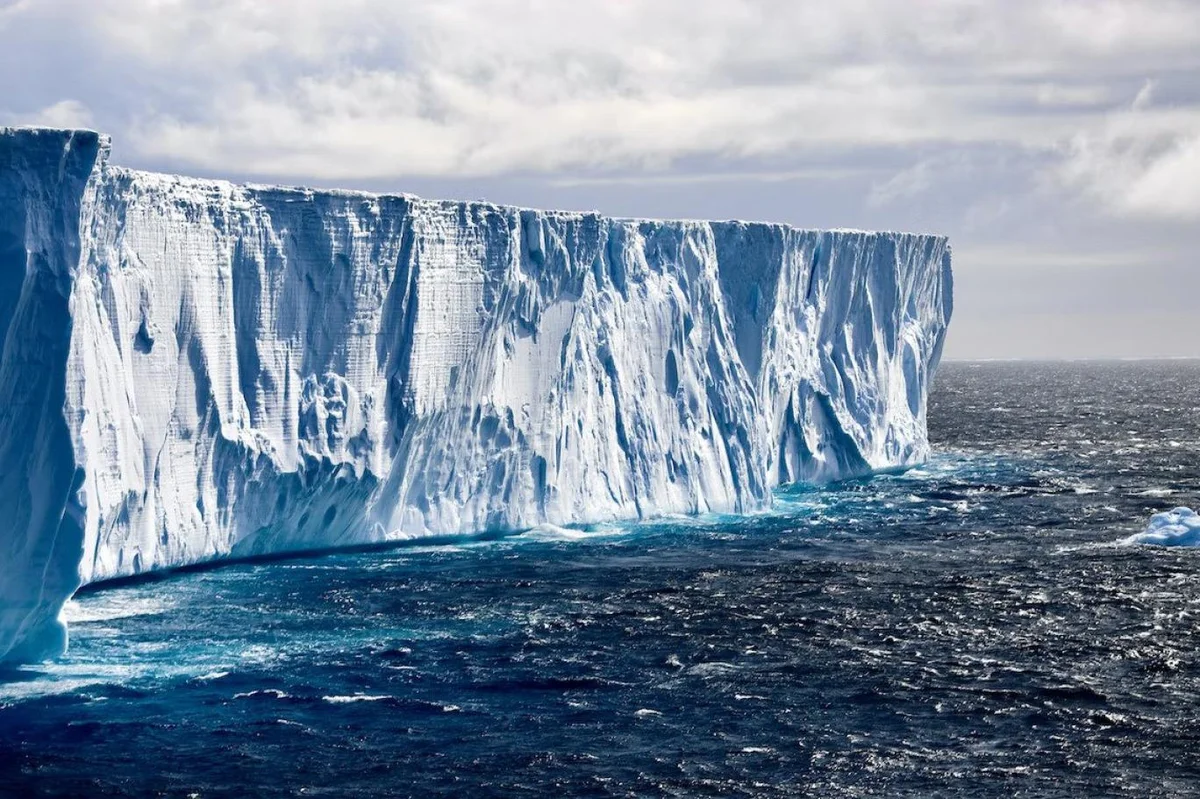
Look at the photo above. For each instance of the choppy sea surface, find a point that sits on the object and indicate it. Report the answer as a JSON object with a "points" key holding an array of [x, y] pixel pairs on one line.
{"points": [[969, 628]]}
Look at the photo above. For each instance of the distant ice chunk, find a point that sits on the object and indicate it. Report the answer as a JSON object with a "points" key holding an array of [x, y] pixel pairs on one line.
{"points": [[1175, 528]]}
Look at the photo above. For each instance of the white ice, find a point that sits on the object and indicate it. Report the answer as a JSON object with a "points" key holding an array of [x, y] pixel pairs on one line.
{"points": [[1174, 528]]}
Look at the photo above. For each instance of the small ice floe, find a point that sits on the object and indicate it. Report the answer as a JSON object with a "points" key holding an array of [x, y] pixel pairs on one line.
{"points": [[1175, 528]]}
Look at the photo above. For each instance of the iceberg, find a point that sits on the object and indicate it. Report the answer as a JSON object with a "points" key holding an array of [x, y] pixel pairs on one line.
{"points": [[1174, 528], [194, 370]]}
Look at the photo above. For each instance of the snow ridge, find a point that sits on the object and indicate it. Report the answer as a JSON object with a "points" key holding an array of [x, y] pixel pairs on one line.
{"points": [[194, 369]]}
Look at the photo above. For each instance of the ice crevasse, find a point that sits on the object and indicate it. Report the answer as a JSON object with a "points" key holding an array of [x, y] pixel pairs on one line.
{"points": [[193, 370]]}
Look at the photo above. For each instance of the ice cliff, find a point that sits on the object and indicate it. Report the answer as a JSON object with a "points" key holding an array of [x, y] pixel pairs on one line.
{"points": [[194, 370]]}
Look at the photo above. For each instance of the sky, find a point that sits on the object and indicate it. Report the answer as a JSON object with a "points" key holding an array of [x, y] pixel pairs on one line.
{"points": [[1057, 142]]}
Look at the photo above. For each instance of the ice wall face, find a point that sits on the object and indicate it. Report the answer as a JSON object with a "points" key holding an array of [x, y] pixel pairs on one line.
{"points": [[44, 178], [235, 370]]}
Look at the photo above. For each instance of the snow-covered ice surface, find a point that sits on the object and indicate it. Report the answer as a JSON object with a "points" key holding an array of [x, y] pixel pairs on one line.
{"points": [[194, 369], [1174, 528]]}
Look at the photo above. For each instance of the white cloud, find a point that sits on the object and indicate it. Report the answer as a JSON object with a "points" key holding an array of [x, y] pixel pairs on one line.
{"points": [[63, 114], [1049, 138], [906, 184], [10, 8], [371, 89], [1145, 96], [1143, 162], [695, 178], [1057, 95], [1168, 185], [1009, 258]]}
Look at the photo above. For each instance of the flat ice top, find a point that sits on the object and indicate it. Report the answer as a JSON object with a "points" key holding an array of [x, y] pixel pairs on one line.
{"points": [[219, 184]]}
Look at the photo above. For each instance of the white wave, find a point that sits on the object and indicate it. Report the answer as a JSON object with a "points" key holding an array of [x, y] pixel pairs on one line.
{"points": [[553, 532], [108, 606], [56, 679], [714, 668], [343, 700], [260, 653], [15, 693], [275, 692]]}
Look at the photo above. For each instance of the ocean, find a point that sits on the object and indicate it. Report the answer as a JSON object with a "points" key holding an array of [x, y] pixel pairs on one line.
{"points": [[971, 627]]}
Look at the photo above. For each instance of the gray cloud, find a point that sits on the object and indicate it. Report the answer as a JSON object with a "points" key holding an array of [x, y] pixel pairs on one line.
{"points": [[357, 89], [1014, 125]]}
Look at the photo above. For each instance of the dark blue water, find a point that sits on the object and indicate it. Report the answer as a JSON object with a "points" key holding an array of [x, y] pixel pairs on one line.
{"points": [[969, 628]]}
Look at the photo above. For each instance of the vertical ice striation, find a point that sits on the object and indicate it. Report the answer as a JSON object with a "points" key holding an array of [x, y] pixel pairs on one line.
{"points": [[194, 369]]}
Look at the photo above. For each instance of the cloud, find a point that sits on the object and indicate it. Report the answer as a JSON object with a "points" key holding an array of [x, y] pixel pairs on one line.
{"points": [[1056, 141], [803, 174], [63, 114], [1170, 184], [1057, 95], [1142, 162], [1145, 96], [10, 8], [1012, 257], [368, 89], [905, 184]]}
